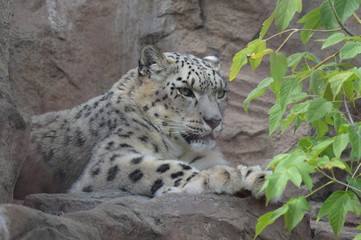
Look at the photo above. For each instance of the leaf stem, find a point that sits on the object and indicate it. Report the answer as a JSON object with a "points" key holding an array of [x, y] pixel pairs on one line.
{"points": [[287, 38], [301, 29], [354, 174], [319, 188], [326, 60], [357, 18], [339, 20], [350, 117], [337, 181]]}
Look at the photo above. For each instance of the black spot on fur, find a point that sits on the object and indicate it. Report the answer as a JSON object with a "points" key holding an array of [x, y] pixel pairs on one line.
{"points": [[126, 135], [143, 138], [109, 145], [136, 175], [163, 168], [145, 108], [112, 173], [177, 174], [112, 158], [80, 138], [157, 184], [155, 148], [177, 182], [78, 115], [191, 176], [185, 166], [87, 189], [196, 159], [136, 160], [129, 109], [95, 172], [124, 145]]}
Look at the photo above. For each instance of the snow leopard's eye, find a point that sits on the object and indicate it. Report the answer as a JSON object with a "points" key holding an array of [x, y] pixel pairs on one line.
{"points": [[221, 94], [186, 92]]}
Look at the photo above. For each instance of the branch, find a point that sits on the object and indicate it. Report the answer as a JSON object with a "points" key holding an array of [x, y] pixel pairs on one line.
{"points": [[350, 117], [301, 29], [357, 18], [337, 181], [339, 20], [326, 60]]}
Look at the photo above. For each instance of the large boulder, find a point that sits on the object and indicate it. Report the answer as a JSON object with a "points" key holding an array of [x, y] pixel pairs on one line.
{"points": [[171, 216]]}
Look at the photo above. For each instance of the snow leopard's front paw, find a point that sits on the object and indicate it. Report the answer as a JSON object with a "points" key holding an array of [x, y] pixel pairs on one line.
{"points": [[253, 178]]}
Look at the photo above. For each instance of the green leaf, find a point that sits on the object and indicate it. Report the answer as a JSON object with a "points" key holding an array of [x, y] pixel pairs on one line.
{"points": [[327, 16], [333, 39], [258, 91], [285, 10], [236, 66], [340, 144], [275, 118], [337, 81], [321, 146], [317, 83], [259, 51], [278, 67], [345, 9], [321, 127], [355, 141], [338, 120], [354, 182], [296, 211], [241, 58], [337, 205], [276, 185], [289, 88], [294, 176], [350, 50], [312, 20], [318, 108], [269, 218], [266, 24]]}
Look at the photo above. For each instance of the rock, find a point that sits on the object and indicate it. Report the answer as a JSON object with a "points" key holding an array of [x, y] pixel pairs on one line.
{"points": [[13, 126], [71, 202], [322, 231], [170, 216]]}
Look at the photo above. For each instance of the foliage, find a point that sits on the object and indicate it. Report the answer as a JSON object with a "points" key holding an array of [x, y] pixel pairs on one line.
{"points": [[311, 91]]}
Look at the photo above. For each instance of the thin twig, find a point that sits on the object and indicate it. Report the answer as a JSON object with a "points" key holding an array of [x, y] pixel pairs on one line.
{"points": [[357, 18], [287, 38], [350, 117], [354, 174], [301, 29], [326, 60], [337, 181], [319, 188], [339, 20]]}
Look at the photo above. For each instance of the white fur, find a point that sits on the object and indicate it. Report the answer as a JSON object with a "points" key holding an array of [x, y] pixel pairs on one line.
{"points": [[4, 230]]}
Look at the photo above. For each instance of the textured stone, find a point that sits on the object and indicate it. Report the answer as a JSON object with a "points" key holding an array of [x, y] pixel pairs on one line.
{"points": [[13, 126], [170, 216]]}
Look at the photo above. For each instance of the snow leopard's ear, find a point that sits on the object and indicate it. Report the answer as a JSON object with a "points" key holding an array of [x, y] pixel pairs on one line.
{"points": [[152, 62], [214, 60]]}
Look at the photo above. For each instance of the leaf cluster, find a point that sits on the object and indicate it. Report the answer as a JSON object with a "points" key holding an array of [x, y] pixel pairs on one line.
{"points": [[316, 92]]}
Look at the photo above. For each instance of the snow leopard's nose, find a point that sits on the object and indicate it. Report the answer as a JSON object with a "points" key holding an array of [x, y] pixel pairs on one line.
{"points": [[212, 122]]}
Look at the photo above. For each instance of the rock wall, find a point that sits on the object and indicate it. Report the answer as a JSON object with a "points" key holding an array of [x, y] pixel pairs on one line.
{"points": [[13, 130]]}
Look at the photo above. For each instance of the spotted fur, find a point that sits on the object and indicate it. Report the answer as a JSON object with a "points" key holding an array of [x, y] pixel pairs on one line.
{"points": [[153, 132]]}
